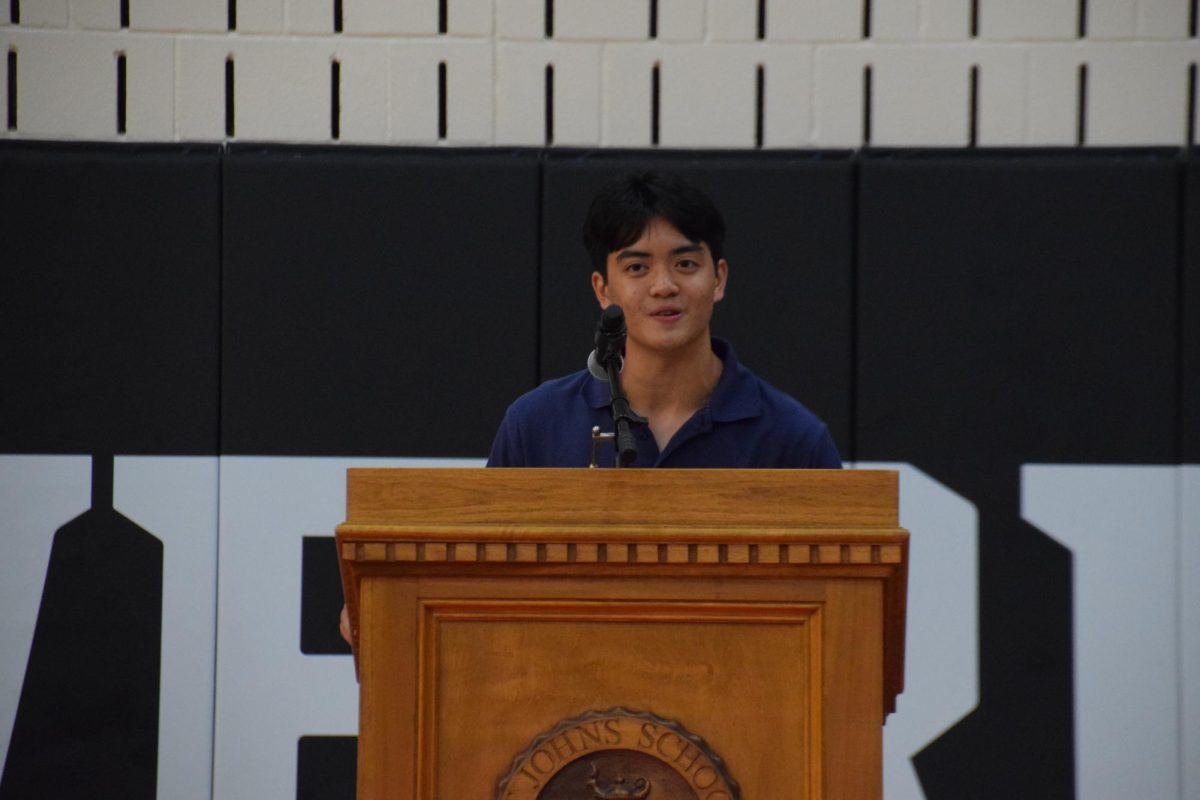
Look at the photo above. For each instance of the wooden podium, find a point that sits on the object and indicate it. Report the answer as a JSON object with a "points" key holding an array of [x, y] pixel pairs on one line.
{"points": [[713, 634]]}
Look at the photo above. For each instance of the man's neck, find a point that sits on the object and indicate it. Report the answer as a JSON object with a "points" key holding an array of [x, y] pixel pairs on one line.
{"points": [[672, 383]]}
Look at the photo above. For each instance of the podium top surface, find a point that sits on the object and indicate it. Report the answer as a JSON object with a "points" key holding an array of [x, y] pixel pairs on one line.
{"points": [[641, 497]]}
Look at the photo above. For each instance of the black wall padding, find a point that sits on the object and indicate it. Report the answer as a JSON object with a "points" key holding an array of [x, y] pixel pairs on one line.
{"points": [[788, 306], [376, 302], [1190, 313], [1016, 308], [109, 269]]}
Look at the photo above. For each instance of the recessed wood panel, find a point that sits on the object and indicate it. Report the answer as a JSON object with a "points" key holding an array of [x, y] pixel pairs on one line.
{"points": [[495, 674]]}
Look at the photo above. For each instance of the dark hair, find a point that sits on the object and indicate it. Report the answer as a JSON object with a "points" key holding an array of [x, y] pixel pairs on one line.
{"points": [[623, 208]]}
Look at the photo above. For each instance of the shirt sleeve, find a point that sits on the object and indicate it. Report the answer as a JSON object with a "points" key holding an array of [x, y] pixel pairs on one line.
{"points": [[824, 454], [506, 447]]}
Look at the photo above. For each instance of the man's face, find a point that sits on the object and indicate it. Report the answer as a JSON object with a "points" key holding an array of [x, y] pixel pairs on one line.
{"points": [[666, 284]]}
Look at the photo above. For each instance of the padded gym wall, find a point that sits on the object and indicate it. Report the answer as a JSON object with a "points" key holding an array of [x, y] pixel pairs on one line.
{"points": [[969, 313]]}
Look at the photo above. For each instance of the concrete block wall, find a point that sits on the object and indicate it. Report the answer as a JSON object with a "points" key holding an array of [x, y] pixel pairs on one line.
{"points": [[621, 73]]}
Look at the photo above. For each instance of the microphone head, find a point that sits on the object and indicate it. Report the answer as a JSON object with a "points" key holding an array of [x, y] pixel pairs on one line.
{"points": [[609, 341], [612, 321]]}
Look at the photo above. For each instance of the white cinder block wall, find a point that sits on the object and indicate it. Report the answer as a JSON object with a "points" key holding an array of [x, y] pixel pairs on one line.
{"points": [[628, 73]]}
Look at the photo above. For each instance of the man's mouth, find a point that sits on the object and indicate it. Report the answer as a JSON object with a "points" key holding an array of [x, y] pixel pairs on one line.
{"points": [[666, 313]]}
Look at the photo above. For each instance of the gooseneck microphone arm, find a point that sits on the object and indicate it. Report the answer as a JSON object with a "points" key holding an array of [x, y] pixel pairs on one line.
{"points": [[622, 416]]}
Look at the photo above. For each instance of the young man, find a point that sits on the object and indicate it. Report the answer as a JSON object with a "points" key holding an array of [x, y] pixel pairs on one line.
{"points": [[656, 245]]}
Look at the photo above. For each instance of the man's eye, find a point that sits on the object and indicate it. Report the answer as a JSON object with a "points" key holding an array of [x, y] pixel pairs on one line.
{"points": [[635, 267], [687, 263]]}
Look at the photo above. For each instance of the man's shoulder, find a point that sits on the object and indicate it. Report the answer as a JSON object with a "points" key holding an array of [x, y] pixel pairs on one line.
{"points": [[797, 436], [753, 396], [781, 406], [532, 432], [553, 395]]}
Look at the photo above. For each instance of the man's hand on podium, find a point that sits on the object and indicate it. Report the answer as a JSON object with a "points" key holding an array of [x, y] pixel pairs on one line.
{"points": [[344, 626]]}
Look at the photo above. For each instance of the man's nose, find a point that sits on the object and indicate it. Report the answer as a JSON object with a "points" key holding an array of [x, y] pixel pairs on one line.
{"points": [[664, 284]]}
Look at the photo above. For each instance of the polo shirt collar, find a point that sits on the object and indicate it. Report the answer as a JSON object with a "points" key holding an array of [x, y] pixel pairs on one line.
{"points": [[735, 397]]}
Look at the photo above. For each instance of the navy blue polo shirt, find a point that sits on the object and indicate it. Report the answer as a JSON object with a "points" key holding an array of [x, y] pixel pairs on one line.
{"points": [[745, 423]]}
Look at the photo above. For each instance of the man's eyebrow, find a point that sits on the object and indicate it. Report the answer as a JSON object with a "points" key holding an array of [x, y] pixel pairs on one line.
{"points": [[632, 254], [691, 247]]}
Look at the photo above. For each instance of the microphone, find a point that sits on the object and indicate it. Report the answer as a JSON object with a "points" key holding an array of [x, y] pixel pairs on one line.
{"points": [[605, 364], [609, 343]]}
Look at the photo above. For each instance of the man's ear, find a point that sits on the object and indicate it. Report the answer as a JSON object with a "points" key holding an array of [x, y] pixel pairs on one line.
{"points": [[600, 288], [722, 277]]}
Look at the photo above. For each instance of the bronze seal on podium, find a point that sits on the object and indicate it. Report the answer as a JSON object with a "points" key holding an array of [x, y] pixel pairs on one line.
{"points": [[606, 755]]}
